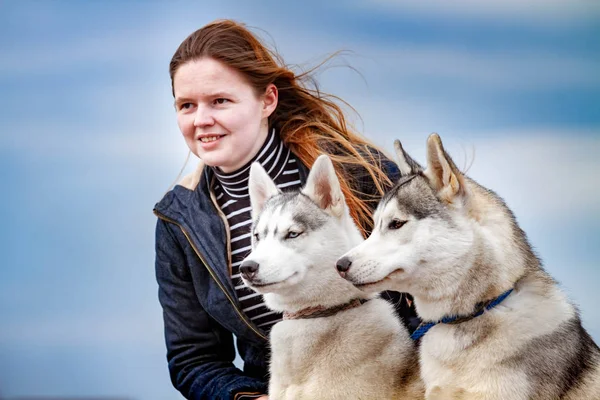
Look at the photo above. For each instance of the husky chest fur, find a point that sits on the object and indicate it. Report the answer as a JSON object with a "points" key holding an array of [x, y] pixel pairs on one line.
{"points": [[336, 341], [498, 326]]}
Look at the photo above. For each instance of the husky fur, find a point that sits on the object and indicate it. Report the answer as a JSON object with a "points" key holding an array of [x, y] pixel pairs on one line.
{"points": [[359, 353], [452, 244]]}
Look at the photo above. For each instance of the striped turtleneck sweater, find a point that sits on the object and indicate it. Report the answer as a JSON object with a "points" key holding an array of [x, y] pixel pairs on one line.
{"points": [[231, 191]]}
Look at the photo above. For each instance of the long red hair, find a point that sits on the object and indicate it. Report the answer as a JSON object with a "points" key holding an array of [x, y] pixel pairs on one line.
{"points": [[309, 122]]}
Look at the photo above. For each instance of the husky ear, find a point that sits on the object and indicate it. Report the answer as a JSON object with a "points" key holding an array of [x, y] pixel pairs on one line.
{"points": [[406, 164], [260, 187], [323, 187], [443, 175]]}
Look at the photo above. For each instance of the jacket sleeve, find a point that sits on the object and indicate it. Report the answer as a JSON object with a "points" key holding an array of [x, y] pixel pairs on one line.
{"points": [[200, 352]]}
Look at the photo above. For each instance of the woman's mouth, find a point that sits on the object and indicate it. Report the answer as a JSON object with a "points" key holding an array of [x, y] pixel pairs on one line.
{"points": [[209, 139]]}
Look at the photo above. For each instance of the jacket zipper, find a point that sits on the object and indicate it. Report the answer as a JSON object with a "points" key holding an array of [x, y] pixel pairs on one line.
{"points": [[212, 273], [226, 224]]}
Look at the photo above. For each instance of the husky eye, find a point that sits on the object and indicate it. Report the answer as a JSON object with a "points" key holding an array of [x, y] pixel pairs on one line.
{"points": [[396, 224], [292, 235], [256, 237]]}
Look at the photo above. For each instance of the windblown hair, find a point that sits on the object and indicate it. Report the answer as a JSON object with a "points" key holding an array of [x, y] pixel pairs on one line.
{"points": [[309, 122]]}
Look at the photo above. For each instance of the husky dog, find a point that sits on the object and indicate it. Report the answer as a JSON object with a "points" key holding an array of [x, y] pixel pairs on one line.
{"points": [[495, 324], [336, 341]]}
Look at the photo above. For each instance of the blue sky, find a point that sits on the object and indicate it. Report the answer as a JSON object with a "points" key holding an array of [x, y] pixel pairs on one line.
{"points": [[88, 144]]}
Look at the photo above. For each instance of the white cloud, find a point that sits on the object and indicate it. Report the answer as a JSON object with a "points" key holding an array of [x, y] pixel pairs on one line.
{"points": [[540, 173], [547, 173], [95, 145], [501, 71]]}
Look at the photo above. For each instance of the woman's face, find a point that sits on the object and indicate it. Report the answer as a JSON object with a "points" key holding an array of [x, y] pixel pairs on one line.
{"points": [[221, 117]]}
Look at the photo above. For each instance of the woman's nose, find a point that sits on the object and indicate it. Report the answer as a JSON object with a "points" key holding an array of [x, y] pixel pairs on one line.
{"points": [[203, 117]]}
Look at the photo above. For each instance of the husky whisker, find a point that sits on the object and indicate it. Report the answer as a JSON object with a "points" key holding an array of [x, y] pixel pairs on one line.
{"points": [[259, 284]]}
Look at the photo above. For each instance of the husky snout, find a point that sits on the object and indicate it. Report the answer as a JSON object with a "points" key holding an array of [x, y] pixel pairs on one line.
{"points": [[249, 269], [343, 265]]}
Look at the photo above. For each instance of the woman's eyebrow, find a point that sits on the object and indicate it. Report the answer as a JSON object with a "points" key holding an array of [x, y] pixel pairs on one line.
{"points": [[179, 100], [216, 94], [220, 93]]}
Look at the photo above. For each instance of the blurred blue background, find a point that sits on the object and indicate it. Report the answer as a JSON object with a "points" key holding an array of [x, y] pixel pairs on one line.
{"points": [[89, 143]]}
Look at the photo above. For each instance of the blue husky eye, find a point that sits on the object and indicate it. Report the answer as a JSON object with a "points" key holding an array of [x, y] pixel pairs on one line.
{"points": [[292, 235], [396, 224]]}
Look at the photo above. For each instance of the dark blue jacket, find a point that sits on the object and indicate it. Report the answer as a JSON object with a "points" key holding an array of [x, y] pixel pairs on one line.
{"points": [[200, 308]]}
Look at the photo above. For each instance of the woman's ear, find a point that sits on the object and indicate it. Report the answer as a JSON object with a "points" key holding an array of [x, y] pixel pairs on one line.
{"points": [[269, 99]]}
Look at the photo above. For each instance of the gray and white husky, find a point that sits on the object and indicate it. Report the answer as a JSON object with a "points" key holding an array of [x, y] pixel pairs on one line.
{"points": [[335, 342], [496, 325]]}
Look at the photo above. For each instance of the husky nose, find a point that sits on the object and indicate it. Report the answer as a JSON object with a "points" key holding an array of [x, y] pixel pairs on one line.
{"points": [[343, 265], [249, 269]]}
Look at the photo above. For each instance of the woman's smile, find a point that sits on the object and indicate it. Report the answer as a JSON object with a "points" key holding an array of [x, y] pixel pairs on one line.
{"points": [[210, 141]]}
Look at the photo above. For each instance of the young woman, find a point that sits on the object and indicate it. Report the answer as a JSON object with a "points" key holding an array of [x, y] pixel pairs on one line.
{"points": [[237, 103]]}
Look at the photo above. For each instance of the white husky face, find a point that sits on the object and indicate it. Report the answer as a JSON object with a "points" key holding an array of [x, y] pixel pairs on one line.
{"points": [[417, 242], [406, 248], [297, 237], [284, 240]]}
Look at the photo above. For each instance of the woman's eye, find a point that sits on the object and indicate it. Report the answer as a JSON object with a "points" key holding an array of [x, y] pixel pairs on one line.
{"points": [[221, 100], [396, 224], [292, 235]]}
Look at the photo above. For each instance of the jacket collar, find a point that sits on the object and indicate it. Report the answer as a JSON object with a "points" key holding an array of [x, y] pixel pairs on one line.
{"points": [[191, 180]]}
